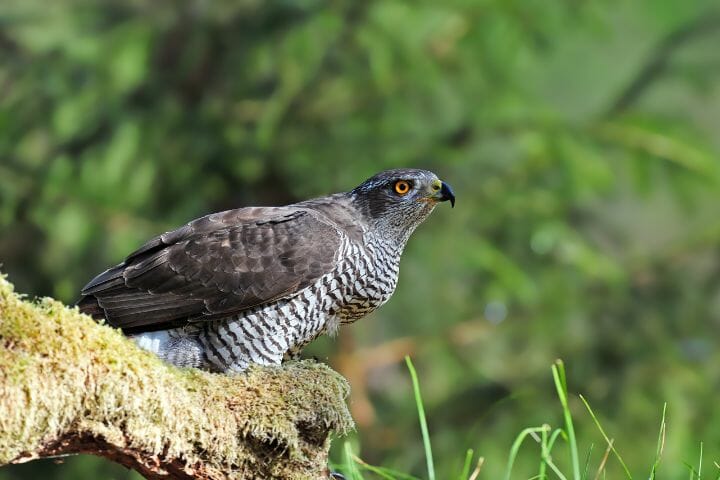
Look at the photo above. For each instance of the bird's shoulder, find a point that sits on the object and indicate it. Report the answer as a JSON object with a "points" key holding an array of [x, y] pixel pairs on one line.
{"points": [[338, 210]]}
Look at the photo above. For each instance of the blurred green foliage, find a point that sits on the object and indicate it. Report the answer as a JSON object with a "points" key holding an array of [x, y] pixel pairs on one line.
{"points": [[580, 138]]}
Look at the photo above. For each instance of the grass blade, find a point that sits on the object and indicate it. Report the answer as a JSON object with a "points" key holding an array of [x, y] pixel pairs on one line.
{"points": [[603, 462], [466, 466], [478, 466], [607, 439], [660, 444], [691, 469], [545, 452], [587, 462], [350, 464], [386, 473], [516, 446], [558, 371], [700, 462], [423, 421]]}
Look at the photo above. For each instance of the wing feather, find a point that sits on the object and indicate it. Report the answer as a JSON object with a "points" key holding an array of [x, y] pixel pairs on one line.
{"points": [[214, 267]]}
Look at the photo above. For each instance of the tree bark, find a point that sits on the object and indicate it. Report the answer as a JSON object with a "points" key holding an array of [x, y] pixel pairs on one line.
{"points": [[69, 385]]}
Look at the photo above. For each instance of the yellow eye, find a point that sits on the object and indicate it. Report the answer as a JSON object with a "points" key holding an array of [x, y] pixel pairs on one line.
{"points": [[402, 187]]}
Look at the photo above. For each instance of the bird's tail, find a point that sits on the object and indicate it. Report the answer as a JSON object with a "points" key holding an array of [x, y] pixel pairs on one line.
{"points": [[89, 305]]}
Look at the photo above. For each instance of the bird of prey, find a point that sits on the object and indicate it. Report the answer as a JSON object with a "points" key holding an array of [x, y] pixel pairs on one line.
{"points": [[256, 284]]}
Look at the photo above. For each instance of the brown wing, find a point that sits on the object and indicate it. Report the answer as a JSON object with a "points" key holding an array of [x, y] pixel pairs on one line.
{"points": [[214, 267]]}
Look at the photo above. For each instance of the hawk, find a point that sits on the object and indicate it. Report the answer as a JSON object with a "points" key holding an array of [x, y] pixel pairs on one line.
{"points": [[256, 284]]}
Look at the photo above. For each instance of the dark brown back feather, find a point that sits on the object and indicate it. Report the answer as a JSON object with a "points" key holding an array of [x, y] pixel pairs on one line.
{"points": [[215, 267]]}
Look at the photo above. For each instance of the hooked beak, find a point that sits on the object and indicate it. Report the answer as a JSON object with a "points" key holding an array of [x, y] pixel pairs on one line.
{"points": [[445, 193]]}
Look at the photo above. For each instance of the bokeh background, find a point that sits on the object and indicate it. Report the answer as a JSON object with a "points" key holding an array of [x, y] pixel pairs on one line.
{"points": [[581, 138]]}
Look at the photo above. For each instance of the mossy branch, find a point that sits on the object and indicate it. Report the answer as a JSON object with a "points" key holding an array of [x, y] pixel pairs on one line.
{"points": [[69, 385]]}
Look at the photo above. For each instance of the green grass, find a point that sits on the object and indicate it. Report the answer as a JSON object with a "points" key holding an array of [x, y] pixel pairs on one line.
{"points": [[423, 421], [558, 455]]}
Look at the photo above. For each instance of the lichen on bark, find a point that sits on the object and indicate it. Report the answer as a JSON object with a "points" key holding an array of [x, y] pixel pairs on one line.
{"points": [[70, 385]]}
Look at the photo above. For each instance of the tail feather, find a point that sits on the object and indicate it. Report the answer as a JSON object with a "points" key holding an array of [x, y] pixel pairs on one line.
{"points": [[89, 305]]}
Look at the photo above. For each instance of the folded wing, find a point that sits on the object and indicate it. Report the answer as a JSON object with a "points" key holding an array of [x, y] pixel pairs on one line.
{"points": [[214, 267]]}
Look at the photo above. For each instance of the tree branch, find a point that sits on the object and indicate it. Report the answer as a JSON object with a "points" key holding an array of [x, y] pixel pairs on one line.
{"points": [[69, 385], [656, 64]]}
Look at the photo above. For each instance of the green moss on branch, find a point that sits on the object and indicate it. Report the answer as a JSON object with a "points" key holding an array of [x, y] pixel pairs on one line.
{"points": [[69, 385]]}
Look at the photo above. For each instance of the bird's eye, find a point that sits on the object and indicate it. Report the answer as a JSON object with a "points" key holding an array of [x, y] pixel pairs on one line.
{"points": [[402, 187]]}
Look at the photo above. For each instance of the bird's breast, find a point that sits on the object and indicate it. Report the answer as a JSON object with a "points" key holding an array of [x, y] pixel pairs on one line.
{"points": [[365, 277]]}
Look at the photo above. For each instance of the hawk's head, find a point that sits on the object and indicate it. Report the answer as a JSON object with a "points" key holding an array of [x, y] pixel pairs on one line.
{"points": [[395, 202]]}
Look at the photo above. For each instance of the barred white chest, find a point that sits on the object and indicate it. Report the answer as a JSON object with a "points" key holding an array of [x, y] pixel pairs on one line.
{"points": [[364, 278]]}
